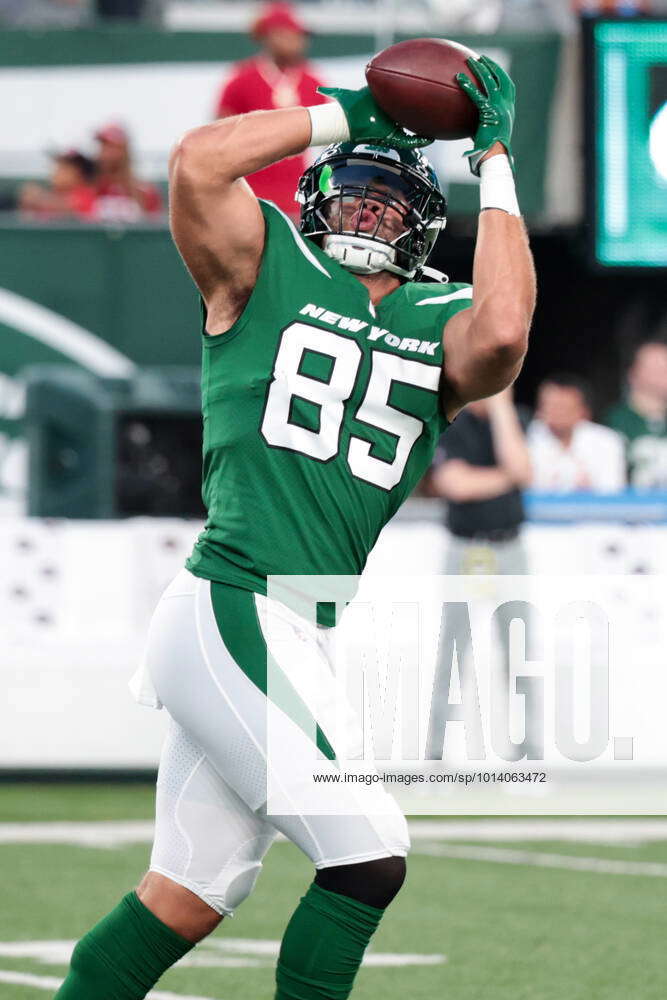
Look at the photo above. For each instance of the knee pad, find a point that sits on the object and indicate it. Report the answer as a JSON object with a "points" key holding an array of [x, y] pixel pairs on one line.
{"points": [[374, 883], [234, 884], [206, 839], [227, 888]]}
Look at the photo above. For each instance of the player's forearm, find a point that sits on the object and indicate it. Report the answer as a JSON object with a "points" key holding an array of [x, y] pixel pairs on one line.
{"points": [[223, 151], [503, 271], [504, 284]]}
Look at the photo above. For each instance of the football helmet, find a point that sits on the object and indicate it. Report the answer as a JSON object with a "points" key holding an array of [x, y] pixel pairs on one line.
{"points": [[353, 174]]}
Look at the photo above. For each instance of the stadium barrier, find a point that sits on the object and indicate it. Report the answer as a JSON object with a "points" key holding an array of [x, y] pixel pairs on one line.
{"points": [[78, 596], [105, 448]]}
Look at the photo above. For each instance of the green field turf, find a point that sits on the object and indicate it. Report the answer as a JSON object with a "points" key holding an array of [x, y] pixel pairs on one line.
{"points": [[508, 931]]}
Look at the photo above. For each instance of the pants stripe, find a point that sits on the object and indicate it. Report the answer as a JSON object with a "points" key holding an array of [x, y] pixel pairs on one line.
{"points": [[236, 617]]}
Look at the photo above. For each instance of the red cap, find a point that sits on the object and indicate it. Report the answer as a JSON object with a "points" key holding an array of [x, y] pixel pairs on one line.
{"points": [[113, 133], [278, 15]]}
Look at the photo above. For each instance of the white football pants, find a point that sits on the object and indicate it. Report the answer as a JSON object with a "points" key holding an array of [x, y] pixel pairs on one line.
{"points": [[206, 663]]}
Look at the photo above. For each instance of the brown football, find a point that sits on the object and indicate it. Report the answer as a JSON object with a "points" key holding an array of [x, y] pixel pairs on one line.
{"points": [[414, 82]]}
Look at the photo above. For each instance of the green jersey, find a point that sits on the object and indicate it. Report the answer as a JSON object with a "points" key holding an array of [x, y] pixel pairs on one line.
{"points": [[646, 446], [321, 413]]}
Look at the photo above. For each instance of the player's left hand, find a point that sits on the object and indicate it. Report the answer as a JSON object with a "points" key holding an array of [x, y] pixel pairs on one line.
{"points": [[367, 121], [494, 98]]}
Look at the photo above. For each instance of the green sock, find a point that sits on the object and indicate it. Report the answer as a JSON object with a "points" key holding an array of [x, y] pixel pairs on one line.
{"points": [[123, 956], [323, 946]]}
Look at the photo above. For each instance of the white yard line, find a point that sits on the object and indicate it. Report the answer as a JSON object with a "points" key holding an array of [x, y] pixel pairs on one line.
{"points": [[47, 952], [388, 960], [109, 834], [595, 830], [51, 983], [537, 859], [214, 953], [620, 831], [25, 979]]}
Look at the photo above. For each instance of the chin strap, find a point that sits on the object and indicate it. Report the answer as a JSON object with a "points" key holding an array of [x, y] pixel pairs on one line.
{"points": [[361, 255], [433, 275]]}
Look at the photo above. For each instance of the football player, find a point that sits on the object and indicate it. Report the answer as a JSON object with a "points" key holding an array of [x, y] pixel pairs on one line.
{"points": [[330, 369]]}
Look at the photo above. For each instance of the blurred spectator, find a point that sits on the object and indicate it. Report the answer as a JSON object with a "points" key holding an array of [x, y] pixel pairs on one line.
{"points": [[121, 197], [71, 191], [130, 10], [468, 15], [642, 417], [481, 467], [620, 8], [278, 77], [8, 199], [43, 13], [537, 15], [487, 16], [569, 452], [120, 9]]}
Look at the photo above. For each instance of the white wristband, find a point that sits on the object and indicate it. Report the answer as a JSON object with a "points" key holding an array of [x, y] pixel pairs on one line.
{"points": [[497, 188], [328, 124]]}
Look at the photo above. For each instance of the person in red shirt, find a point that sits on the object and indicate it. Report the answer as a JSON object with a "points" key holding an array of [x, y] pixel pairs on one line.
{"points": [[121, 197], [623, 8], [71, 192], [277, 77]]}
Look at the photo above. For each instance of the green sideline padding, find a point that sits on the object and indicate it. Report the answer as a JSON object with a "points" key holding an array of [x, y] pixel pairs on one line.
{"points": [[127, 286]]}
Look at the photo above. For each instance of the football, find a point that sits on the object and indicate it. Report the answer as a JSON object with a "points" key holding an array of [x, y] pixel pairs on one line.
{"points": [[414, 82]]}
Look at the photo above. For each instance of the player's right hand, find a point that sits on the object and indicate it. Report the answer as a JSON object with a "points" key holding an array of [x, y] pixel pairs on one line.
{"points": [[494, 96], [368, 122]]}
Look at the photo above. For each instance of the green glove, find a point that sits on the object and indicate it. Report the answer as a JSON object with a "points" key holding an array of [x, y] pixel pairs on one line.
{"points": [[368, 122], [495, 101]]}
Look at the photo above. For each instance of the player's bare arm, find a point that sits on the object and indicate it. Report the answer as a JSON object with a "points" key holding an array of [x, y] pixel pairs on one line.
{"points": [[486, 344], [216, 221]]}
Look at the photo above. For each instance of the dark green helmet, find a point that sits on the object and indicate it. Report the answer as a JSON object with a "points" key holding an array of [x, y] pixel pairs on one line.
{"points": [[348, 182]]}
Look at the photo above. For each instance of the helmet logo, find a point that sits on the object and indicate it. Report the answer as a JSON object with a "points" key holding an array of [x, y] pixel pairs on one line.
{"points": [[324, 183], [385, 150]]}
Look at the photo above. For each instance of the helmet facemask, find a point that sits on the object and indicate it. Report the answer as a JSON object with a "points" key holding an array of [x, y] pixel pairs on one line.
{"points": [[342, 192]]}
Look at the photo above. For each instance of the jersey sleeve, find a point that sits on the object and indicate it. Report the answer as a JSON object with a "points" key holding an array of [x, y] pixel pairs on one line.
{"points": [[441, 302], [435, 305], [288, 262], [293, 256]]}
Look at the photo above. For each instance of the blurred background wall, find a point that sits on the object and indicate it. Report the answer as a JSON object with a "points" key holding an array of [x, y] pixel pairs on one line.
{"points": [[99, 321]]}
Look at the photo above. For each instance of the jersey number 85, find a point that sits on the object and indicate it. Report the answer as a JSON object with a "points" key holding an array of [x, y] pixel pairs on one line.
{"points": [[329, 396]]}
